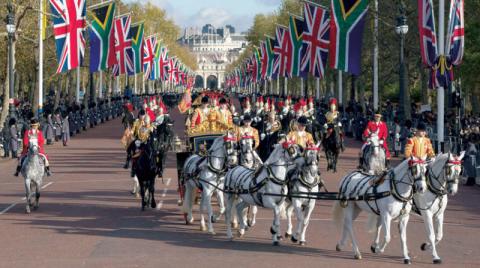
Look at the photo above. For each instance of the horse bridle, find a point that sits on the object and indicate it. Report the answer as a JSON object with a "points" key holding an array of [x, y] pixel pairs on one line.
{"points": [[412, 167], [445, 170]]}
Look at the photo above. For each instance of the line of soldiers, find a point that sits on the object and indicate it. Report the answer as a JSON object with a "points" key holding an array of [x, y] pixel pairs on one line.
{"points": [[268, 120]]}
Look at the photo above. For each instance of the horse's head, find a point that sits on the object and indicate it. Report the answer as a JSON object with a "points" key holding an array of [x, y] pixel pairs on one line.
{"points": [[312, 157], [418, 169], [33, 147], [375, 143], [230, 144], [292, 149], [453, 171], [246, 144]]}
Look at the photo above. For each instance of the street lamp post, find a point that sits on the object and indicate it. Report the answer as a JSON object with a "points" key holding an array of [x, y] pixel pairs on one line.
{"points": [[402, 29], [10, 20]]}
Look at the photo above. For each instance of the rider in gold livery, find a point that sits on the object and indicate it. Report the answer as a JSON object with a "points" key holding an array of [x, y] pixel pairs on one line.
{"points": [[300, 136]]}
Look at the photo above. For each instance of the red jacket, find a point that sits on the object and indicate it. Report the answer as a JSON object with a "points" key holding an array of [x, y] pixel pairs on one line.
{"points": [[26, 140], [382, 133], [373, 127]]}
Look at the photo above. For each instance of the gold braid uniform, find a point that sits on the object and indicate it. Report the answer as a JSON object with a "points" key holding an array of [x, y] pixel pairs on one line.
{"points": [[301, 140], [248, 131], [419, 147], [141, 131]]}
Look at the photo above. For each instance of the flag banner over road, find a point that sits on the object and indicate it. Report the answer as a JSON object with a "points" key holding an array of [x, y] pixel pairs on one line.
{"points": [[316, 36], [149, 49], [102, 38], [346, 34], [136, 51], [172, 70], [428, 35], [68, 25], [283, 49], [122, 45], [296, 28]]}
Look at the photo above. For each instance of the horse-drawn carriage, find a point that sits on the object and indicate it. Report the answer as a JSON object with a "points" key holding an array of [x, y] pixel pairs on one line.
{"points": [[199, 139]]}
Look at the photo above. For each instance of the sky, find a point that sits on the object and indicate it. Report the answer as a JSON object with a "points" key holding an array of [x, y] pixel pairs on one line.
{"points": [[238, 13]]}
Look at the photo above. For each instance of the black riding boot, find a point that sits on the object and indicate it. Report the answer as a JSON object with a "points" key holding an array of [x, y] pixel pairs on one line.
{"points": [[17, 171], [387, 163], [127, 163], [47, 170], [360, 163]]}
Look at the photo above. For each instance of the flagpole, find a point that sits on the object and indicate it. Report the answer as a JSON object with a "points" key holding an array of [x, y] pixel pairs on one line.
{"points": [[117, 85], [278, 85], [286, 86], [317, 87], [375, 58], [135, 84], [100, 90], [143, 85], [302, 86], [40, 60], [340, 88], [77, 95], [441, 90]]}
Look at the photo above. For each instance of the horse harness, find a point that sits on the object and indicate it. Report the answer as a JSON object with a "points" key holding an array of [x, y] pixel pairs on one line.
{"points": [[374, 195]]}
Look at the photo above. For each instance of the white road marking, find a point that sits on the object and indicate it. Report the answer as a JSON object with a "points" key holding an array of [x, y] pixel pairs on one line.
{"points": [[23, 199], [164, 193]]}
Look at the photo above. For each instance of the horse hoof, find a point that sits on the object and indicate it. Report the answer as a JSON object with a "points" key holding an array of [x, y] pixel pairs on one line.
{"points": [[437, 261], [180, 203], [212, 233], [293, 239], [234, 225], [338, 248], [423, 247], [358, 256], [213, 219], [302, 243], [373, 249], [203, 228], [287, 235], [240, 234], [276, 243], [272, 231], [154, 204], [27, 210], [407, 261]]}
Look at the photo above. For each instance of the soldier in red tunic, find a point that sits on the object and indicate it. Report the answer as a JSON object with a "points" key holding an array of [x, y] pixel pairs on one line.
{"points": [[380, 128], [34, 135]]}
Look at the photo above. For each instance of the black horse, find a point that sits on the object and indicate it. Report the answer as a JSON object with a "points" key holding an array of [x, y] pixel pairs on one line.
{"points": [[145, 168], [163, 140], [332, 144]]}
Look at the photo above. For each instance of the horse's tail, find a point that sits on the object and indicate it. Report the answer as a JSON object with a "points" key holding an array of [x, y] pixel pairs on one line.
{"points": [[372, 222], [337, 215]]}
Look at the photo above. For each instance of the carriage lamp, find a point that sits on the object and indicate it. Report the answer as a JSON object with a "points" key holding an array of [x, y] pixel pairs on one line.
{"points": [[177, 143]]}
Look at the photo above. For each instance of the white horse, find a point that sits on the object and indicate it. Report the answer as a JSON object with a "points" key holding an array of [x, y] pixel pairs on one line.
{"points": [[374, 156], [442, 179], [249, 159], [264, 188], [208, 174], [305, 180], [385, 199], [33, 171]]}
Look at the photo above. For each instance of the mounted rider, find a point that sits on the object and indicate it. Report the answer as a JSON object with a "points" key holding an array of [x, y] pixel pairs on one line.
{"points": [[270, 135], [379, 128], [420, 145], [333, 121], [33, 135], [300, 136], [247, 131]]}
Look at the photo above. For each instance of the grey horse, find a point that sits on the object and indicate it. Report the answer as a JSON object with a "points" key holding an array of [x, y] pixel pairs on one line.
{"points": [[33, 172]]}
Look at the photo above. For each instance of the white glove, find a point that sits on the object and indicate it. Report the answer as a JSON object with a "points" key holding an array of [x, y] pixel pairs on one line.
{"points": [[339, 124], [262, 136]]}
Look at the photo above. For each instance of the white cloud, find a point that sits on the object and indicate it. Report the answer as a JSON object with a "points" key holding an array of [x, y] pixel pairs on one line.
{"points": [[215, 16]]}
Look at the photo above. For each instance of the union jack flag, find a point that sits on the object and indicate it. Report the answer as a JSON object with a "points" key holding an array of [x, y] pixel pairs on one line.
{"points": [[426, 26], [163, 63], [122, 46], [148, 57], [68, 25], [317, 38], [456, 32], [283, 49], [172, 70]]}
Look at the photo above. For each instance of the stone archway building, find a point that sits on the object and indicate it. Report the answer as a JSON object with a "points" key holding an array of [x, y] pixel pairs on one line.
{"points": [[214, 49]]}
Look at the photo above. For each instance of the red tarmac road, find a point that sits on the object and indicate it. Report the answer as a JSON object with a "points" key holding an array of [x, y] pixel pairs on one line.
{"points": [[87, 218]]}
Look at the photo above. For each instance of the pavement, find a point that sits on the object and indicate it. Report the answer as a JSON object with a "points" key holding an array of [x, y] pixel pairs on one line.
{"points": [[88, 218]]}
